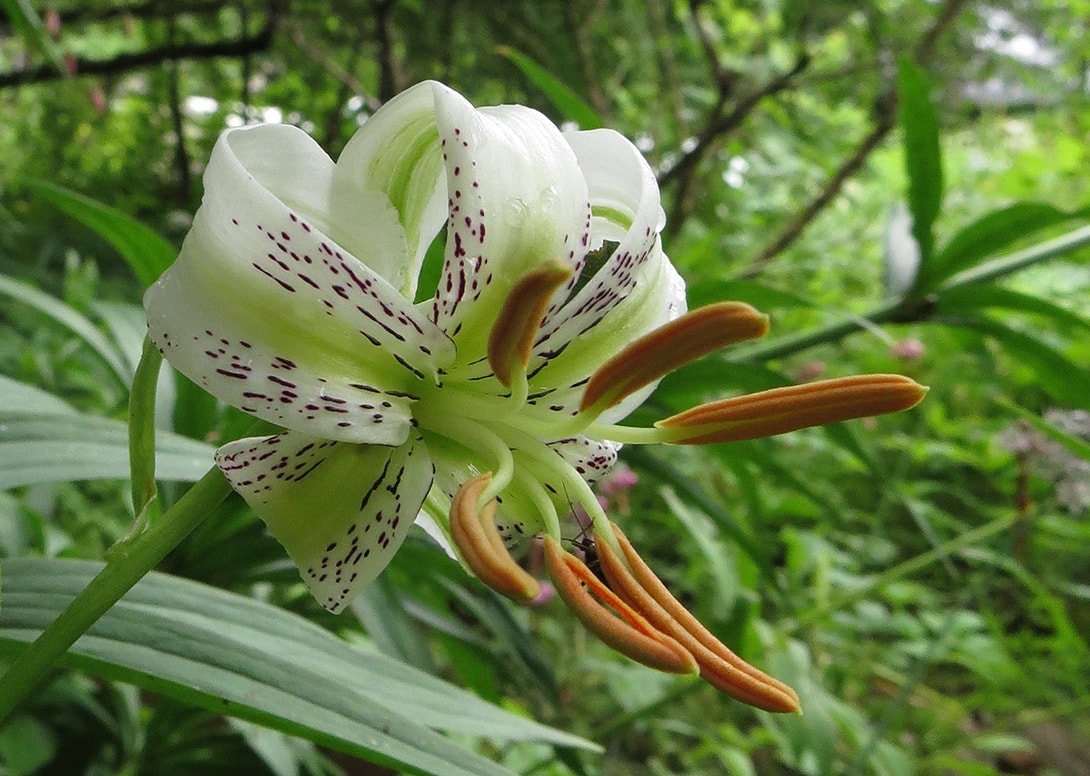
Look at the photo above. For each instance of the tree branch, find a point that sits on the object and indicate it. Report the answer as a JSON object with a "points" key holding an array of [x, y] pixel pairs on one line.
{"points": [[154, 56], [718, 125], [883, 123]]}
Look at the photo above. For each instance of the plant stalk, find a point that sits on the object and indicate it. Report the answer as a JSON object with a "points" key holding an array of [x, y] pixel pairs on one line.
{"points": [[127, 564]]}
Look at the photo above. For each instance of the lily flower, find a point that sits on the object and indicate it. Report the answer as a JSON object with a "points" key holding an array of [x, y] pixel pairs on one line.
{"points": [[490, 405]]}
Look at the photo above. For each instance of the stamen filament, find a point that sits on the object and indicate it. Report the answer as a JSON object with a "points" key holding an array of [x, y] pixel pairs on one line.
{"points": [[541, 499], [672, 345], [719, 666], [574, 484], [476, 436], [511, 340], [630, 634]]}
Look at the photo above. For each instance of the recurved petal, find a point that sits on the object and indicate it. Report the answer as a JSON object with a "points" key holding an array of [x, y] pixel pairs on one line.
{"points": [[269, 313], [633, 292], [340, 510], [516, 200], [396, 152]]}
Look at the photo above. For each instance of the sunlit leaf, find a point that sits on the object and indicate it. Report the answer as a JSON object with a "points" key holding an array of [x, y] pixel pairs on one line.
{"points": [[61, 447], [980, 297], [71, 319], [991, 233]]}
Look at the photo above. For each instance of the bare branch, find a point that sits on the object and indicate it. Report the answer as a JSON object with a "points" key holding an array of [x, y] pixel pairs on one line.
{"points": [[154, 56], [720, 124], [884, 122]]}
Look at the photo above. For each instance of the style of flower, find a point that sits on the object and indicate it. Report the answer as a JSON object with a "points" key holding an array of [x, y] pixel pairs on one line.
{"points": [[489, 406]]}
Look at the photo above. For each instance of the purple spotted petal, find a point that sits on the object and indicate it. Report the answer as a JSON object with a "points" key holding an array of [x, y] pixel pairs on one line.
{"points": [[591, 458], [269, 314], [516, 199], [340, 510], [636, 290]]}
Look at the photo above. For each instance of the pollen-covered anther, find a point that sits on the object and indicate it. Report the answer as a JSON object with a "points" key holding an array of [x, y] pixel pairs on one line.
{"points": [[670, 346], [640, 587], [629, 633], [511, 340], [478, 540], [780, 410]]}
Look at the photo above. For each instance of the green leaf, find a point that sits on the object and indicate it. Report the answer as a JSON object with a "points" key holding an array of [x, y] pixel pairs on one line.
{"points": [[570, 104], [663, 470], [28, 24], [39, 447], [31, 400], [241, 657], [957, 300], [760, 295], [70, 319], [1058, 375], [991, 233], [142, 248], [923, 158]]}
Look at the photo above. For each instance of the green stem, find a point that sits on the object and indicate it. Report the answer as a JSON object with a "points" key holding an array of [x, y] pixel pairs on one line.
{"points": [[911, 310], [126, 566]]}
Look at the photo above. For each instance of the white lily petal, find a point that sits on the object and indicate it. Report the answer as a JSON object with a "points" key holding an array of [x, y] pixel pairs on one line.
{"points": [[397, 153], [517, 199], [291, 166], [269, 314], [636, 290], [340, 510]]}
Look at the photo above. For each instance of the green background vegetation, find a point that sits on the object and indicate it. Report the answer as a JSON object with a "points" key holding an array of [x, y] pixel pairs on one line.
{"points": [[923, 580]]}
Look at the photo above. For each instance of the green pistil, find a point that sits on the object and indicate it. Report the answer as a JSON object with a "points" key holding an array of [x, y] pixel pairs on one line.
{"points": [[543, 501], [555, 468]]}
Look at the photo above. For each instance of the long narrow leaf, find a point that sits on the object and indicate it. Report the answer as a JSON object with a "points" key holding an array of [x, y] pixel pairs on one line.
{"points": [[923, 159], [243, 658], [570, 104], [980, 297], [29, 25], [37, 448], [1058, 375], [142, 248], [72, 320], [992, 233]]}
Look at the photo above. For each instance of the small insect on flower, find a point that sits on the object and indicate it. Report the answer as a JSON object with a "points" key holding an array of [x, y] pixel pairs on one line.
{"points": [[555, 315]]}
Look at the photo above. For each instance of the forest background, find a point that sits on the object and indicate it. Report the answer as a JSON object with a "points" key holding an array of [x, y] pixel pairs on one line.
{"points": [[901, 185]]}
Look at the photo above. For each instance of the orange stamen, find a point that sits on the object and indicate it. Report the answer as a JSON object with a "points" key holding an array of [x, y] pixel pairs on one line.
{"points": [[719, 666], [672, 345], [630, 634], [512, 335], [780, 410], [481, 546]]}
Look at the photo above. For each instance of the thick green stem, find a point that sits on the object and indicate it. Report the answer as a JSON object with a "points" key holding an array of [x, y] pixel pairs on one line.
{"points": [[128, 563]]}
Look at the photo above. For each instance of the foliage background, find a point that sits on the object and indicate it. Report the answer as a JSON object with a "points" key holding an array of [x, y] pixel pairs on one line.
{"points": [[922, 579]]}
